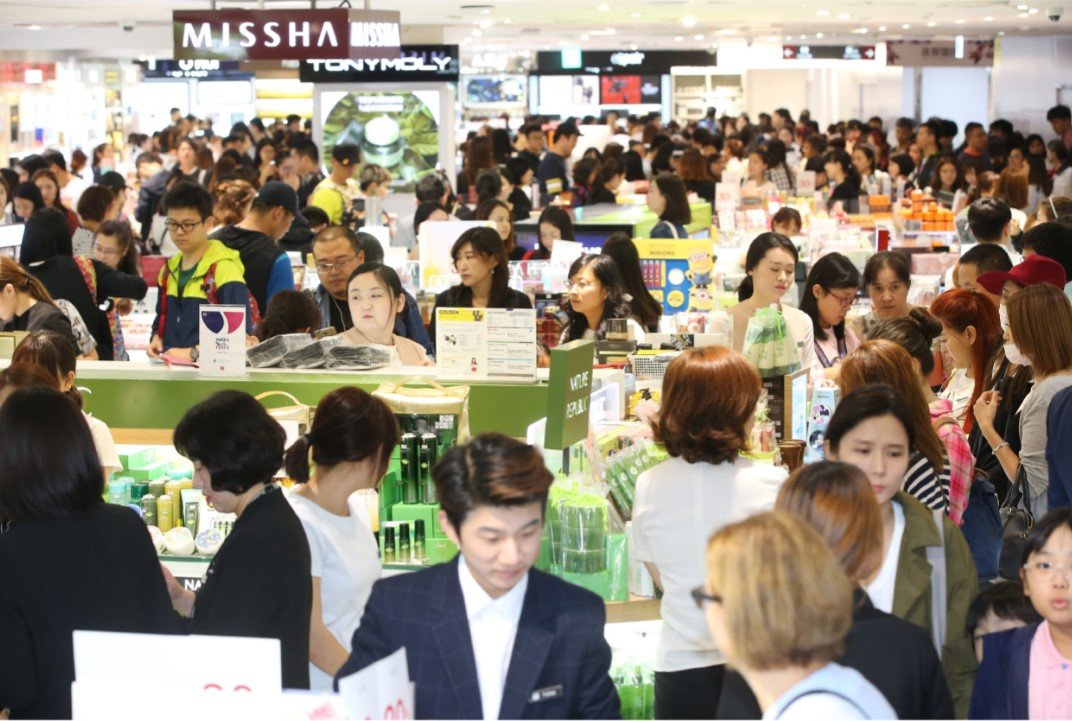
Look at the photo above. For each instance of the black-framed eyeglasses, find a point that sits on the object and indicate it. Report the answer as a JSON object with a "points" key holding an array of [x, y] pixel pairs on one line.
{"points": [[172, 226], [700, 596]]}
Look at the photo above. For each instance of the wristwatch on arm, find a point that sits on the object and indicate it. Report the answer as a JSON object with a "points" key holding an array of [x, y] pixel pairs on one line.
{"points": [[195, 353]]}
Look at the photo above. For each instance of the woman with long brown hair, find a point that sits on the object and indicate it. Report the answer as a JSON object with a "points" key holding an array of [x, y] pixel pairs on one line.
{"points": [[25, 303], [692, 169], [478, 156], [882, 361]]}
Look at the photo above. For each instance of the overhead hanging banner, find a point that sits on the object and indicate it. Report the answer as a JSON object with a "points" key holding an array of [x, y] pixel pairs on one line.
{"points": [[940, 53], [828, 52], [339, 34], [414, 63]]}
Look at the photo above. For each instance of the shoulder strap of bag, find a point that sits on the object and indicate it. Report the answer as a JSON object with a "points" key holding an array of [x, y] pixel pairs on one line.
{"points": [[937, 423], [673, 229], [89, 274], [939, 577]]}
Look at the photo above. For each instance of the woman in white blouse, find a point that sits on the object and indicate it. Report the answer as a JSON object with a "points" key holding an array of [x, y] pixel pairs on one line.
{"points": [[704, 485], [350, 443]]}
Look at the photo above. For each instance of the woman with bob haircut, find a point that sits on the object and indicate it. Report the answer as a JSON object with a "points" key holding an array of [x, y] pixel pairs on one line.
{"points": [[596, 295], [374, 293], [916, 334], [874, 430], [480, 259], [259, 582], [349, 447], [704, 485], [54, 518], [1039, 335], [668, 199], [780, 605], [837, 500], [882, 361], [887, 279]]}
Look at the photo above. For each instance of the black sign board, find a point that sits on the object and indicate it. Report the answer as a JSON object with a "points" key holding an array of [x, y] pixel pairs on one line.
{"points": [[202, 69], [828, 52], [417, 63], [620, 62]]}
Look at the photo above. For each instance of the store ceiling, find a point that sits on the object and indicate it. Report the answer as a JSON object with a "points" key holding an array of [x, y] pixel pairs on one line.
{"points": [[499, 25]]}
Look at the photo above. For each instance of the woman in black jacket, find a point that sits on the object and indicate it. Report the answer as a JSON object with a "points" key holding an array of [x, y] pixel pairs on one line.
{"points": [[897, 656], [86, 283], [480, 259], [259, 583], [68, 561]]}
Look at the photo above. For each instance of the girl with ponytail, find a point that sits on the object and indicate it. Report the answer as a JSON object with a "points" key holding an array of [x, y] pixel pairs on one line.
{"points": [[25, 304], [346, 450]]}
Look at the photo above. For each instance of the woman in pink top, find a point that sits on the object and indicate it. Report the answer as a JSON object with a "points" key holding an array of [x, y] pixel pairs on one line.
{"points": [[1026, 673], [829, 292], [916, 333]]}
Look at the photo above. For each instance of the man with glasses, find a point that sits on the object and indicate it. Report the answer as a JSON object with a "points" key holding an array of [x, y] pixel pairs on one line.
{"points": [[203, 272], [337, 252]]}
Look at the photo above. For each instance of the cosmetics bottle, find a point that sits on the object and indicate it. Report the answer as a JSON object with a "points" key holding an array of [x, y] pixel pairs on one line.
{"points": [[165, 513], [403, 543], [148, 509], [419, 553], [389, 545]]}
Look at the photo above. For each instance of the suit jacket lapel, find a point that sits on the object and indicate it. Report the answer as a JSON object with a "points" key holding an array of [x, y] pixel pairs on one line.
{"points": [[456, 645], [531, 646]]}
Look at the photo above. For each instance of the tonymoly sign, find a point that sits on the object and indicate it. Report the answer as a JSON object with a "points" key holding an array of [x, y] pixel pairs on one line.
{"points": [[336, 34]]}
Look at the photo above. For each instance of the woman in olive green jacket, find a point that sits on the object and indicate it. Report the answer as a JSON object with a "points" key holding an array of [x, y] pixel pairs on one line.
{"points": [[873, 430]]}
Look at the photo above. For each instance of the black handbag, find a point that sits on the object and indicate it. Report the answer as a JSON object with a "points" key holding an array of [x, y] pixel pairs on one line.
{"points": [[1016, 523]]}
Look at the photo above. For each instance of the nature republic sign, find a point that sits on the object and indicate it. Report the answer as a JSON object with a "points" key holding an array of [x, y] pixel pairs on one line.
{"points": [[568, 394], [336, 34]]}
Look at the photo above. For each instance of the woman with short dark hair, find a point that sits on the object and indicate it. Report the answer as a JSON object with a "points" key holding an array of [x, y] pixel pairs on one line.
{"points": [[259, 582], [704, 485], [57, 531]]}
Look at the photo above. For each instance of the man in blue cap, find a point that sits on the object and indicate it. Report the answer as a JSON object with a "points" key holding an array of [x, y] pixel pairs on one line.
{"points": [[267, 266]]}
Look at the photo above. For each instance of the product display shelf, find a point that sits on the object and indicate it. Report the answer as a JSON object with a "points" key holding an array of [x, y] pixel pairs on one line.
{"points": [[593, 224], [142, 403]]}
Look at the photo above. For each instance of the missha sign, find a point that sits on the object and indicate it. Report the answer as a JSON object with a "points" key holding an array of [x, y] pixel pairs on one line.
{"points": [[336, 34]]}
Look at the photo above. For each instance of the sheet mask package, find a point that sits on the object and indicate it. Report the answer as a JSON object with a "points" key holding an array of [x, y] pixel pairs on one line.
{"points": [[577, 523], [313, 355], [361, 357], [269, 353], [769, 346]]}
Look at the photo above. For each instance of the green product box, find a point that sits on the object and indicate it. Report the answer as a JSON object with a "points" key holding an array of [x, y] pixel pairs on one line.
{"points": [[429, 513], [388, 493], [150, 471], [440, 550], [611, 584], [138, 459]]}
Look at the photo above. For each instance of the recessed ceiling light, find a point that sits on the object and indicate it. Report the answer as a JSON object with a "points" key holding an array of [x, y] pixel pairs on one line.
{"points": [[1001, 32], [610, 31], [931, 24], [486, 11], [1023, 15], [698, 36], [584, 37], [818, 36], [477, 33], [1033, 11], [988, 19], [632, 46], [485, 24], [905, 26], [636, 15], [861, 31], [959, 21], [727, 31], [788, 37], [882, 28], [803, 37], [1021, 7], [822, 13], [33, 27], [844, 16], [603, 7], [678, 39], [508, 21], [688, 21]]}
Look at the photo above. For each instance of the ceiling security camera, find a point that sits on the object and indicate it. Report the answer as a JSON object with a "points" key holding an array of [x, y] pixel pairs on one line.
{"points": [[127, 25], [1054, 13]]}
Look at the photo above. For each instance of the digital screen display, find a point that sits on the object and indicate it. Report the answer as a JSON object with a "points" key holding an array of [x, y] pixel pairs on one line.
{"points": [[630, 90]]}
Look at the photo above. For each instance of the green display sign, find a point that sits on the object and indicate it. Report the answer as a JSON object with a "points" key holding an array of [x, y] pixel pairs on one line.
{"points": [[569, 393]]}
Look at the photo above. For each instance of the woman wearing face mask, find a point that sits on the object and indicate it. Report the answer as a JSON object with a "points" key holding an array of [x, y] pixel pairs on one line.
{"points": [[480, 259], [829, 292], [887, 279], [874, 430], [771, 265], [1039, 334], [596, 295], [554, 224], [374, 294]]}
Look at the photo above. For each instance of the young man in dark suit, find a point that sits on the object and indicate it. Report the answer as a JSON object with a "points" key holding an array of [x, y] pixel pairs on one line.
{"points": [[487, 636]]}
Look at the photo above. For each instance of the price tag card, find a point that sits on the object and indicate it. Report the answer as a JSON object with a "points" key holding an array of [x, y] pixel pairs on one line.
{"points": [[380, 691], [222, 340]]}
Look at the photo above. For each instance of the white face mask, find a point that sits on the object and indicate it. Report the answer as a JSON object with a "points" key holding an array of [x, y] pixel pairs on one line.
{"points": [[1012, 352]]}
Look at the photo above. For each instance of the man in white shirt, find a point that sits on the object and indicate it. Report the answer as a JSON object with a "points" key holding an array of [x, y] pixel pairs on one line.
{"points": [[487, 636], [71, 186]]}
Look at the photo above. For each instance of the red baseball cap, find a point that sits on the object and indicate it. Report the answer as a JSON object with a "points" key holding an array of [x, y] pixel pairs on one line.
{"points": [[1033, 269]]}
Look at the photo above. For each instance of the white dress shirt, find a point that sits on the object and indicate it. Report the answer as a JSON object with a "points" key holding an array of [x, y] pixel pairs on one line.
{"points": [[492, 628]]}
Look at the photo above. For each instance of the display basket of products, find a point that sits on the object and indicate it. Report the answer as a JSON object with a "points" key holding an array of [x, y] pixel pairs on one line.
{"points": [[769, 346], [361, 357], [270, 353], [651, 367], [424, 396], [313, 355]]}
